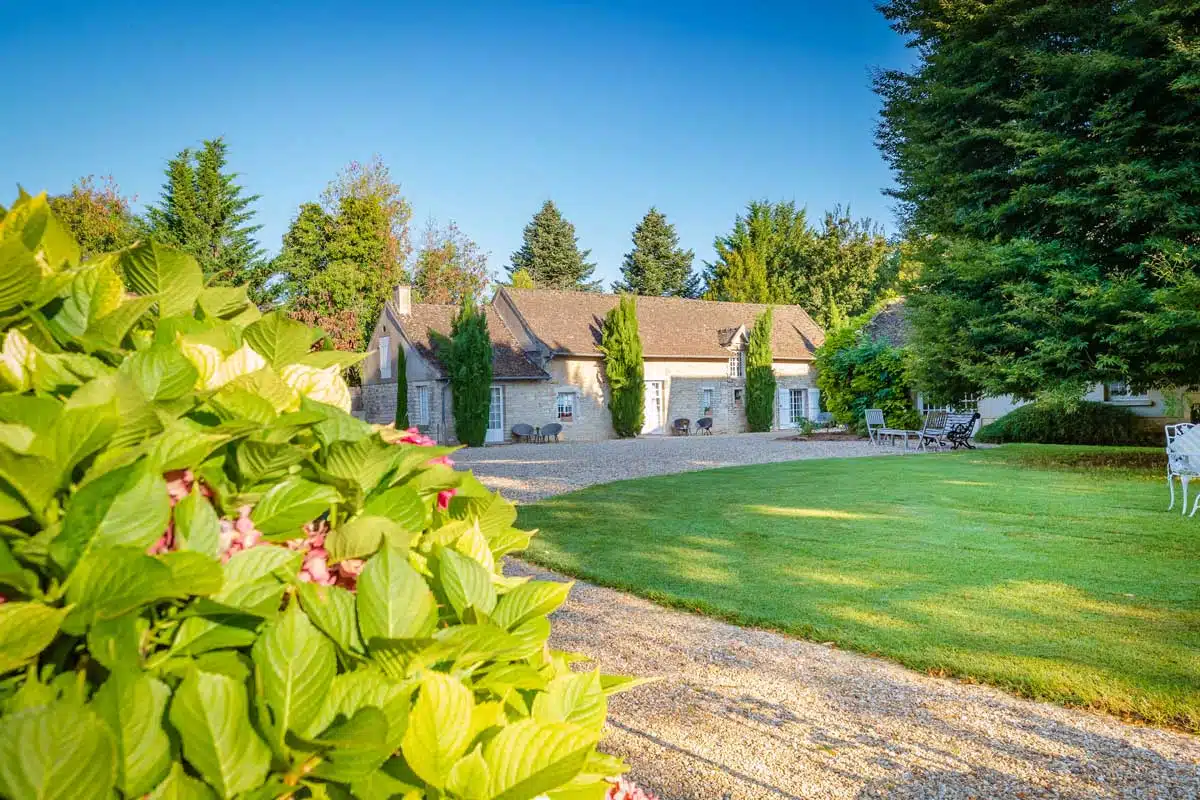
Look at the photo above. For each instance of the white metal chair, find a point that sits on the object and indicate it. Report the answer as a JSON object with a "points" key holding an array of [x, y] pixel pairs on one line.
{"points": [[1183, 461], [877, 429]]}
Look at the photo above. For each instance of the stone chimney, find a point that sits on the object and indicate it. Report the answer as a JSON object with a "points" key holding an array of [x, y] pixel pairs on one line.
{"points": [[403, 299]]}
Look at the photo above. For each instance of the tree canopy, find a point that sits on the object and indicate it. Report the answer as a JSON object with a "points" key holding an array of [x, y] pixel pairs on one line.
{"points": [[657, 265], [550, 253], [205, 212], [97, 214], [1048, 163], [449, 267]]}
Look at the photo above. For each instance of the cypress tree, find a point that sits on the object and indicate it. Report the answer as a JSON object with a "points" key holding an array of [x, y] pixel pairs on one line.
{"points": [[760, 377], [470, 367], [401, 389], [623, 367], [550, 253]]}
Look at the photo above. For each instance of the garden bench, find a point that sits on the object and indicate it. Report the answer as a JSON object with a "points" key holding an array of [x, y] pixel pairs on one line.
{"points": [[1183, 460], [877, 428], [947, 429]]}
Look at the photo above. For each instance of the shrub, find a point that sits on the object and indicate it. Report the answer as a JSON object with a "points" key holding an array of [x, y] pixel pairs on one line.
{"points": [[216, 582], [760, 376], [856, 372], [1054, 423], [1145, 460], [401, 388], [623, 367]]}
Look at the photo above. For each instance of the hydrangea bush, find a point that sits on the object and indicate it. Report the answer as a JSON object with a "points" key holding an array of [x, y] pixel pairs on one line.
{"points": [[216, 582]]}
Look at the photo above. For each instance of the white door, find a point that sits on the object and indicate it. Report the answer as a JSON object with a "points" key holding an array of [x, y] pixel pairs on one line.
{"points": [[495, 428], [654, 408]]}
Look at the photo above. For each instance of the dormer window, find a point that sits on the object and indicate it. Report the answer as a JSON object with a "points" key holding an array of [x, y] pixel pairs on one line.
{"points": [[737, 364]]}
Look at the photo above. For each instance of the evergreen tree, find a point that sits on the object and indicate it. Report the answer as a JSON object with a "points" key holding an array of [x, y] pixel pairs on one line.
{"points": [[1047, 159], [401, 389], [97, 215], [657, 265], [624, 368], [756, 259], [468, 358], [760, 375], [550, 253], [204, 212]]}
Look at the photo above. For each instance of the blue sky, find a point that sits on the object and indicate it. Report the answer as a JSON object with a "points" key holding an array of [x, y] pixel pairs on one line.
{"points": [[482, 111]]}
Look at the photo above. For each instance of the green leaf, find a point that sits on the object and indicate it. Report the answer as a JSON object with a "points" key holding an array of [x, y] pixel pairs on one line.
{"points": [[212, 717], [32, 477], [358, 746], [78, 432], [528, 758], [352, 691], [324, 359], [56, 752], [196, 524], [439, 728], [280, 339], [401, 505], [394, 601], [290, 505], [211, 631], [258, 461], [181, 786], [362, 536], [576, 697], [332, 610], [193, 573], [465, 582], [295, 663], [160, 372], [469, 777], [20, 274], [172, 275], [533, 599], [132, 704], [336, 425], [255, 579], [94, 292], [222, 301], [25, 630], [109, 331], [182, 445], [114, 581], [128, 506], [364, 462], [113, 642], [13, 574]]}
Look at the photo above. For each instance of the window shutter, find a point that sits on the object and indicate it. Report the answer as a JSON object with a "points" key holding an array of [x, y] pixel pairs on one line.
{"points": [[385, 356], [785, 409], [814, 404]]}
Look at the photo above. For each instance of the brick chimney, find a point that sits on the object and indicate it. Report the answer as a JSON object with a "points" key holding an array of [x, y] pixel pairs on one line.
{"points": [[403, 299]]}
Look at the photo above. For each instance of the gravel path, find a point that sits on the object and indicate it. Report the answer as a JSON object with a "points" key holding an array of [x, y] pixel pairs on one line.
{"points": [[529, 472], [746, 714]]}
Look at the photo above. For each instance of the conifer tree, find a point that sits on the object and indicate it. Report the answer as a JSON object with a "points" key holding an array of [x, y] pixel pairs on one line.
{"points": [[760, 376], [401, 389], [657, 265], [623, 367], [550, 253], [469, 362], [204, 212]]}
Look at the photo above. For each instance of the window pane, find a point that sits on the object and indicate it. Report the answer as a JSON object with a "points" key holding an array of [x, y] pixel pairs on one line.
{"points": [[565, 402], [385, 357]]}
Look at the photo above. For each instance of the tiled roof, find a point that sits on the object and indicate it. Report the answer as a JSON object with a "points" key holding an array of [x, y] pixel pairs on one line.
{"points": [[508, 360], [570, 323], [890, 324]]}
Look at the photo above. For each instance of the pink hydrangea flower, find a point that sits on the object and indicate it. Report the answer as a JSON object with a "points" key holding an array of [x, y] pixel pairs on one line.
{"points": [[628, 790], [443, 498], [238, 535], [444, 461]]}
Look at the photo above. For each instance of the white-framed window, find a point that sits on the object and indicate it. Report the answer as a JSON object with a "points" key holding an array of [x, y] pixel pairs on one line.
{"points": [[798, 405], [1120, 393], [421, 416], [708, 401], [565, 405], [385, 356], [737, 364]]}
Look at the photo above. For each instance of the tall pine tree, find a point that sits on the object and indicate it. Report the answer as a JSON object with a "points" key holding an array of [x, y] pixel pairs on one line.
{"points": [[203, 211], [624, 368], [760, 375], [468, 358], [657, 265], [550, 253]]}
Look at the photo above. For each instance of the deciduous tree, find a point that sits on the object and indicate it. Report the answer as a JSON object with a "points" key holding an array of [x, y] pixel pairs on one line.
{"points": [[449, 267], [624, 368], [97, 214], [550, 253], [657, 265]]}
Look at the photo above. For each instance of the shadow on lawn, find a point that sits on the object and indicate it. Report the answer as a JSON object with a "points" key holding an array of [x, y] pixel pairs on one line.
{"points": [[1084, 607]]}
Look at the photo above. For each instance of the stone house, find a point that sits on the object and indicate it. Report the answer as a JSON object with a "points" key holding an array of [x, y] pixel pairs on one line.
{"points": [[548, 367], [1155, 407]]}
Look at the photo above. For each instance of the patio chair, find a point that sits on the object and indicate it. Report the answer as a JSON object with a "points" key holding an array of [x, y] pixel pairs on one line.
{"points": [[934, 430], [551, 432], [877, 429], [1183, 461], [522, 433], [960, 427], [681, 427], [704, 426]]}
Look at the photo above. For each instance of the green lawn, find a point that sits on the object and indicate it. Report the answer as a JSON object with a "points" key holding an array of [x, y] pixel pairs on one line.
{"points": [[1070, 585]]}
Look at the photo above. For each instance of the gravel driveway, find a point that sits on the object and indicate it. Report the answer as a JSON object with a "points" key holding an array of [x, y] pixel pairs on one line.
{"points": [[528, 472], [742, 713]]}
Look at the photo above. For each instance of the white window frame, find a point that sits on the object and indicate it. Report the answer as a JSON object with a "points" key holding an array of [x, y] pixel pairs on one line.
{"points": [[423, 393], [793, 420], [708, 393], [737, 364], [574, 393], [385, 357], [1118, 393]]}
